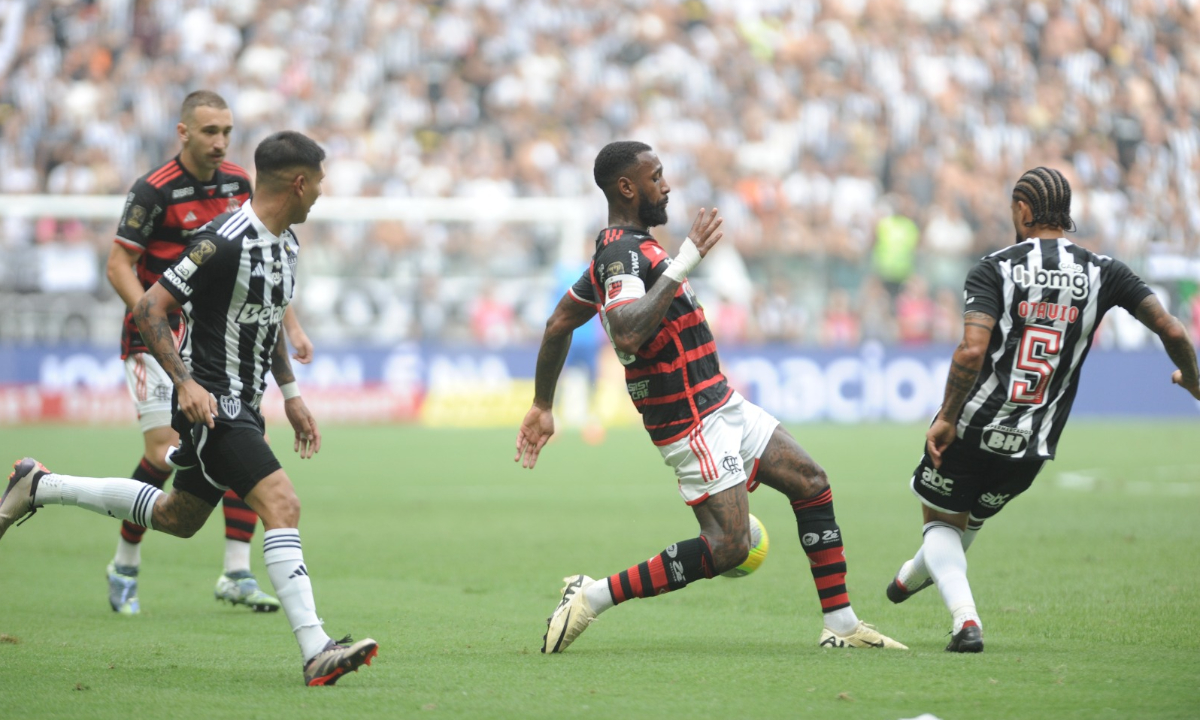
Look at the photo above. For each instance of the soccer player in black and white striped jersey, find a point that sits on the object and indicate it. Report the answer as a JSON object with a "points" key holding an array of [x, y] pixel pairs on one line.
{"points": [[1030, 314], [233, 284]]}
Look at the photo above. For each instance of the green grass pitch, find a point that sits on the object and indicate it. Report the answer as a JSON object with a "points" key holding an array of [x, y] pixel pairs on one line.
{"points": [[437, 545]]}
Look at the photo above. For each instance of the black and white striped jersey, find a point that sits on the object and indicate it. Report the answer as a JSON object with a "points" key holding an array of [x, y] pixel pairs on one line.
{"points": [[234, 282], [1048, 297]]}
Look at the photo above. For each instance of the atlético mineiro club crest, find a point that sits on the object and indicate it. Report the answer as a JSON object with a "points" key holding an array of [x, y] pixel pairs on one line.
{"points": [[231, 405]]}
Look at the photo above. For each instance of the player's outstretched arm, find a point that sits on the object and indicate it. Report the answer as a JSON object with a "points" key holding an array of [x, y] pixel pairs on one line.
{"points": [[632, 324], [538, 425], [150, 314], [297, 337], [1175, 340], [964, 370], [308, 437]]}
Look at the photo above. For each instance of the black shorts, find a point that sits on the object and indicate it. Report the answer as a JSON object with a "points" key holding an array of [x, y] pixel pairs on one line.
{"points": [[233, 455], [972, 480]]}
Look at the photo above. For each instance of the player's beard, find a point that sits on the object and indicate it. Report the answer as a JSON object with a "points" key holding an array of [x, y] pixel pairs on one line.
{"points": [[651, 214]]}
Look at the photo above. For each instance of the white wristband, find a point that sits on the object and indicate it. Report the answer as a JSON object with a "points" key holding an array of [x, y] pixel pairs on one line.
{"points": [[683, 263], [290, 390]]}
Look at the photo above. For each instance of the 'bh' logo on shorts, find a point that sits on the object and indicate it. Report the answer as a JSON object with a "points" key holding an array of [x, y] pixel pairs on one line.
{"points": [[231, 405]]}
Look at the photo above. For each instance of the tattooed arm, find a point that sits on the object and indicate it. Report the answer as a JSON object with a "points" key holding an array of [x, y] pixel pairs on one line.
{"points": [[281, 364], [964, 370], [538, 425], [1175, 341], [150, 314], [632, 324]]}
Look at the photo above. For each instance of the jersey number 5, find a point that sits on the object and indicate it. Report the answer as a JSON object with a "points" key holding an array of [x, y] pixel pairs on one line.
{"points": [[1032, 369]]}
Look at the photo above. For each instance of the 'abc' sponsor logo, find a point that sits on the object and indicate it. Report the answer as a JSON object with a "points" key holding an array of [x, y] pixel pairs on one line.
{"points": [[936, 482], [993, 500]]}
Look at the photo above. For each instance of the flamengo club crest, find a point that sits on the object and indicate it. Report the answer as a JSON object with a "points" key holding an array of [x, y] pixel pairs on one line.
{"points": [[231, 405]]}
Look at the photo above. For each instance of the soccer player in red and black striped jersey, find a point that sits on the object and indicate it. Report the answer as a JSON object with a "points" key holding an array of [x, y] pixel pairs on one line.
{"points": [[720, 445], [163, 211], [1030, 314]]}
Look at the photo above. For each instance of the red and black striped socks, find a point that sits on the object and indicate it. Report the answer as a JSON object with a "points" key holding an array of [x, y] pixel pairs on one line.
{"points": [[821, 539], [240, 520], [672, 569]]}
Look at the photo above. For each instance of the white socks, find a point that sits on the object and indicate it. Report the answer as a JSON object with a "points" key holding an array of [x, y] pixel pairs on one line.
{"points": [[913, 572], [121, 498], [598, 595], [285, 565], [128, 554], [842, 622], [947, 563], [237, 556]]}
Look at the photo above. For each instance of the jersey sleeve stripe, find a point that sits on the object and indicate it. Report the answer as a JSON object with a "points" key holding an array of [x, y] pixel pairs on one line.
{"points": [[233, 169], [152, 178], [162, 178], [581, 301], [131, 244]]}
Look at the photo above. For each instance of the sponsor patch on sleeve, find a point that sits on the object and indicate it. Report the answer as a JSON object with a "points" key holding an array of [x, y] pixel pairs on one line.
{"points": [[185, 268], [136, 217], [202, 252], [171, 277]]}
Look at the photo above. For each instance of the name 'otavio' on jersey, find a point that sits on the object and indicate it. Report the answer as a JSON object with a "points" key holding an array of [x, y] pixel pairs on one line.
{"points": [[674, 379], [1048, 297], [234, 282]]}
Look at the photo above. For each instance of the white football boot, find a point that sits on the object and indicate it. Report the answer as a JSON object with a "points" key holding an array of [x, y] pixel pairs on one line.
{"points": [[864, 636], [571, 617]]}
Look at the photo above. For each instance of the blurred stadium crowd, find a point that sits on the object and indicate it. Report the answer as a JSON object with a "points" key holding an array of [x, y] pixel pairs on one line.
{"points": [[861, 151]]}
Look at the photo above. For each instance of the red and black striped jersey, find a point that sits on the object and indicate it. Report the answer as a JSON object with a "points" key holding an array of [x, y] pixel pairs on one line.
{"points": [[674, 379], [163, 210]]}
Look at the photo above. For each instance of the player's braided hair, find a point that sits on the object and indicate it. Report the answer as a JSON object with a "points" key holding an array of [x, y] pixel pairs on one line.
{"points": [[1048, 195], [200, 98], [614, 159]]}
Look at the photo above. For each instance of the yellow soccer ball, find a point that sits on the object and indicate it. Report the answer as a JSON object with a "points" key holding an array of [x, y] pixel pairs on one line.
{"points": [[759, 544]]}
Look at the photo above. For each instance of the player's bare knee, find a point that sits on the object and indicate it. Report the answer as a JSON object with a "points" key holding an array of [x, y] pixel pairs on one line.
{"points": [[814, 480], [280, 510], [287, 510]]}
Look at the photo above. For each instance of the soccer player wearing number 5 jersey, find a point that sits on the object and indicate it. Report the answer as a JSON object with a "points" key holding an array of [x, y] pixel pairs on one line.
{"points": [[1030, 313], [719, 445]]}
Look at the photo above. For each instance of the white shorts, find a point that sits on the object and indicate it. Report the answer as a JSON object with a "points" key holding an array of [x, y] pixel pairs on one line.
{"points": [[714, 456], [150, 387]]}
